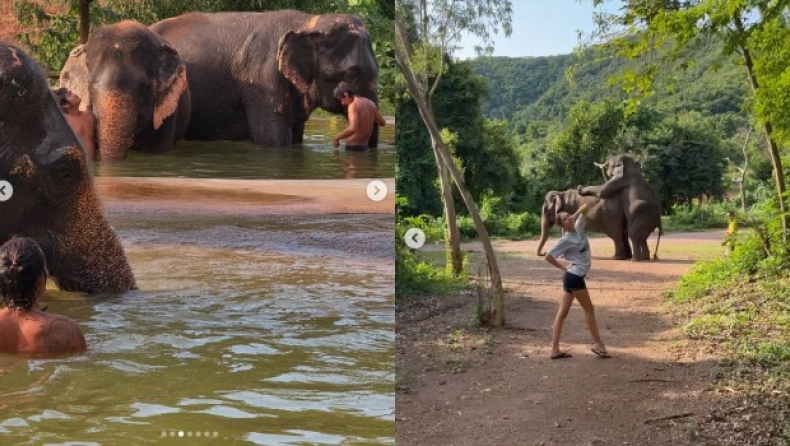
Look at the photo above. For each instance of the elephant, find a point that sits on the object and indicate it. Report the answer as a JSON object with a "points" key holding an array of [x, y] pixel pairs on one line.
{"points": [[136, 86], [53, 200], [640, 204], [259, 76], [604, 216]]}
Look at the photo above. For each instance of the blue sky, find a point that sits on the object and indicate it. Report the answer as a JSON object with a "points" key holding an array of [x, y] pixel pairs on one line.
{"points": [[541, 28]]}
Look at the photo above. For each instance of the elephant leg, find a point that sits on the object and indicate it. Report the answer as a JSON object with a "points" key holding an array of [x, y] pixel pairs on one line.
{"points": [[644, 249], [626, 246], [297, 136], [267, 126], [636, 245]]}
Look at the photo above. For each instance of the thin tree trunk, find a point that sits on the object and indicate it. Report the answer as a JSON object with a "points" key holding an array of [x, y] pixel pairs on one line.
{"points": [[426, 113], [453, 239], [776, 160], [742, 182], [85, 7]]}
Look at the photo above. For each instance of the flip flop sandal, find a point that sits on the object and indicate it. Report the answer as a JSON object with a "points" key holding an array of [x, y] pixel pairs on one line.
{"points": [[601, 353], [562, 355]]}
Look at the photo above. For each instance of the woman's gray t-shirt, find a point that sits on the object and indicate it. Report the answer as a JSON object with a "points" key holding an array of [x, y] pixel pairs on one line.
{"points": [[575, 248]]}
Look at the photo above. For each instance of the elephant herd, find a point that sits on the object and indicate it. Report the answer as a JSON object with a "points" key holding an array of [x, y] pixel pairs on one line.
{"points": [[625, 208], [233, 76], [202, 76]]}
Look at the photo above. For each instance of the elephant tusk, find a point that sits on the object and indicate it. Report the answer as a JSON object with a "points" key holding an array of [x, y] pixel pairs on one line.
{"points": [[598, 164]]}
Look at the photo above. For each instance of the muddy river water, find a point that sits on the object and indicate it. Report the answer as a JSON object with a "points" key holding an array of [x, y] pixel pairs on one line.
{"points": [[269, 329]]}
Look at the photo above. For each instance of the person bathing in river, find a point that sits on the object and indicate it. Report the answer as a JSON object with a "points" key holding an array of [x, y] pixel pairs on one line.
{"points": [[362, 115], [82, 122], [25, 328], [574, 249]]}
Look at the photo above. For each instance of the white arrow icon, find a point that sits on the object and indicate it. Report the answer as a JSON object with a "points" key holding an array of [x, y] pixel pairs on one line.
{"points": [[377, 190], [414, 238], [6, 190]]}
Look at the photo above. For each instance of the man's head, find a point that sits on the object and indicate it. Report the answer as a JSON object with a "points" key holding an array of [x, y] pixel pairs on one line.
{"points": [[344, 93], [66, 98], [566, 221], [23, 271]]}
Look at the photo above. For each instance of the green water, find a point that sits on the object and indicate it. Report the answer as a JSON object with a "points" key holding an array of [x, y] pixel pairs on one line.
{"points": [[314, 159], [267, 331]]}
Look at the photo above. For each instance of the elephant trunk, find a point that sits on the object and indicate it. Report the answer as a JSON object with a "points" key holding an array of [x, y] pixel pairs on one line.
{"points": [[545, 227], [115, 124], [86, 254]]}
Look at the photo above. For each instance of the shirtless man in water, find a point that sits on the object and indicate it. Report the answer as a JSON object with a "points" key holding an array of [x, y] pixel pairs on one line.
{"points": [[82, 122], [24, 328], [362, 115]]}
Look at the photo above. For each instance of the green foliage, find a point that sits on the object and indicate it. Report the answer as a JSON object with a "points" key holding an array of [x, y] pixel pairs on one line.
{"points": [[484, 148], [696, 216], [414, 277], [545, 89]]}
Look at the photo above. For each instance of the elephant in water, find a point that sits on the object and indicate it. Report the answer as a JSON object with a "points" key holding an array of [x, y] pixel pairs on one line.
{"points": [[604, 215], [136, 86], [640, 204], [54, 200], [259, 75]]}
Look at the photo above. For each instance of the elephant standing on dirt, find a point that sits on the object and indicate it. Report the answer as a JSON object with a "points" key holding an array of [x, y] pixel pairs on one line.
{"points": [[54, 200], [136, 86], [259, 75], [604, 216], [641, 205]]}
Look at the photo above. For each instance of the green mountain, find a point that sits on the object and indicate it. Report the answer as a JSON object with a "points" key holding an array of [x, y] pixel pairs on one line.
{"points": [[544, 88]]}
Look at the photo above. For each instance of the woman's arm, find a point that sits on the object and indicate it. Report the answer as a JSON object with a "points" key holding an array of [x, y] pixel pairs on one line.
{"points": [[582, 210], [564, 265]]}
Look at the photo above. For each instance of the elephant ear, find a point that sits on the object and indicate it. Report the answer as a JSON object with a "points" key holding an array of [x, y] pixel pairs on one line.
{"points": [[296, 58], [169, 84], [75, 76]]}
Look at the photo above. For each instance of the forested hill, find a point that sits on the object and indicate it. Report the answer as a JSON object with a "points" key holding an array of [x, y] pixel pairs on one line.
{"points": [[543, 88]]}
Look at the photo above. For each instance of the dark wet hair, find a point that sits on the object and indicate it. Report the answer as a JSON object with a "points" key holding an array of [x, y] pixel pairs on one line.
{"points": [[343, 88], [60, 96], [22, 263]]}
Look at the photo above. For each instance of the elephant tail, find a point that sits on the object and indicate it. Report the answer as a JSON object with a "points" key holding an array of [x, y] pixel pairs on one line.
{"points": [[658, 240]]}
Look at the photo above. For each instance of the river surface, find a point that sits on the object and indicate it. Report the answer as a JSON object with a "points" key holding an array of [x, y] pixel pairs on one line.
{"points": [[314, 159], [273, 331]]}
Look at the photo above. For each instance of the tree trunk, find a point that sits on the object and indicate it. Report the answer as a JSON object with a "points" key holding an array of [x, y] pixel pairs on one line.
{"points": [[453, 239], [773, 150], [498, 318], [402, 52], [85, 7]]}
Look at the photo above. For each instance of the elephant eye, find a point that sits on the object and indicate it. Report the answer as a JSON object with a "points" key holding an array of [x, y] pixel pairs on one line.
{"points": [[117, 55]]}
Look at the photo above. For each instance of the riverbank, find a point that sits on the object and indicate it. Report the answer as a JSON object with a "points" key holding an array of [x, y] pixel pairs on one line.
{"points": [[241, 197]]}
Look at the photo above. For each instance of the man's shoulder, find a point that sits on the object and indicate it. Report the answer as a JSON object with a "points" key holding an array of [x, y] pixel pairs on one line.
{"points": [[60, 334]]}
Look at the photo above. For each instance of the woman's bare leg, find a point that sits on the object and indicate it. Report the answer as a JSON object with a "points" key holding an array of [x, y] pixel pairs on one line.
{"points": [[583, 296], [565, 305]]}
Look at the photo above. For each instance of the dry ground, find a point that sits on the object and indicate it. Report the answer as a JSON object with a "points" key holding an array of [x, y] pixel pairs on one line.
{"points": [[459, 385]]}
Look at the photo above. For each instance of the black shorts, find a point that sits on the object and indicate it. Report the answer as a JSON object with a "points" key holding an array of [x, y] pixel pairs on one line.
{"points": [[572, 282], [357, 148]]}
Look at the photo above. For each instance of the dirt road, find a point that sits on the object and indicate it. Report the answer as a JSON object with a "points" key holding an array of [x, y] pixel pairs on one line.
{"points": [[458, 385]]}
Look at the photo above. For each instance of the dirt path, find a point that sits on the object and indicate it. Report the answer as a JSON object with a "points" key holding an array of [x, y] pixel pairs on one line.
{"points": [[458, 385]]}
